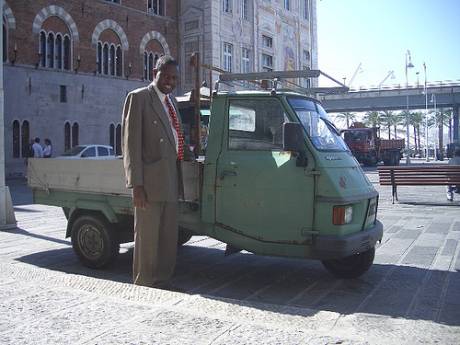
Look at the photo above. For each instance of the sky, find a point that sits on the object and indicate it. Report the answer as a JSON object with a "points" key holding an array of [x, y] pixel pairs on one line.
{"points": [[378, 33]]}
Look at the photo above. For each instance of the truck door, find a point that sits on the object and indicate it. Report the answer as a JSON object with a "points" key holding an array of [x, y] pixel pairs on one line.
{"points": [[260, 192]]}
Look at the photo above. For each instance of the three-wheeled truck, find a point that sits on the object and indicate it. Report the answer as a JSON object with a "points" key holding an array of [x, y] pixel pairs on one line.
{"points": [[277, 179]]}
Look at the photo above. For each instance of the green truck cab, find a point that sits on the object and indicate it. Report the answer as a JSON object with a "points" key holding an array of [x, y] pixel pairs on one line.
{"points": [[277, 179]]}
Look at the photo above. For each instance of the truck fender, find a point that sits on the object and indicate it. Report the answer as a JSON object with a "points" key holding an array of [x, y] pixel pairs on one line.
{"points": [[89, 207]]}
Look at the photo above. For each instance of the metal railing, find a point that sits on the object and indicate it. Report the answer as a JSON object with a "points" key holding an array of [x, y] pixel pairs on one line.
{"points": [[434, 84]]}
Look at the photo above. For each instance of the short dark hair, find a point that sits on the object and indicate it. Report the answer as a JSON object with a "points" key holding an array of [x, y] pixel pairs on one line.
{"points": [[37, 139], [165, 60]]}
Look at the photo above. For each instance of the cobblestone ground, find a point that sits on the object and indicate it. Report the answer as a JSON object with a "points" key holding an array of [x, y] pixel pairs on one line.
{"points": [[411, 295]]}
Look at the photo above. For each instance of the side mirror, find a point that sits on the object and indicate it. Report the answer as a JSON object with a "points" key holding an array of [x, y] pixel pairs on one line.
{"points": [[293, 139]]}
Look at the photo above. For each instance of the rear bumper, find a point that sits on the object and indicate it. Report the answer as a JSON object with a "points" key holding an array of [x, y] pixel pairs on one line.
{"points": [[330, 247]]}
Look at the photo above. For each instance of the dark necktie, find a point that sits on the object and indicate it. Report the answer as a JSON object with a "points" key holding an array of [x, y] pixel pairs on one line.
{"points": [[176, 124]]}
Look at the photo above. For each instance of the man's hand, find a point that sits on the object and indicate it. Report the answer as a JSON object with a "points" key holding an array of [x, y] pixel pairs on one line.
{"points": [[139, 197]]}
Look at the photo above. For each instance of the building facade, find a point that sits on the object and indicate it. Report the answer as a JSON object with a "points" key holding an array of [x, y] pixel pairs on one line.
{"points": [[68, 65], [242, 36]]}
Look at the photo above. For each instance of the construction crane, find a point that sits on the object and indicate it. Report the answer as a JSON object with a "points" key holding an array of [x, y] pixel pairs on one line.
{"points": [[357, 70]]}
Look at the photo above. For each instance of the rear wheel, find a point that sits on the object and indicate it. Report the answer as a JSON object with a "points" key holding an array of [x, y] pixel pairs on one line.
{"points": [[351, 266], [94, 243]]}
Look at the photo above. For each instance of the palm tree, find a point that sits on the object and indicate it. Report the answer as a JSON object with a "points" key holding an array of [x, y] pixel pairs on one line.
{"points": [[372, 119], [348, 117], [399, 119], [415, 120], [389, 119], [442, 119], [449, 125]]}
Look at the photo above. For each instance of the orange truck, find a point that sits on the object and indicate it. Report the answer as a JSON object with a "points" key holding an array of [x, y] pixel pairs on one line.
{"points": [[368, 148]]}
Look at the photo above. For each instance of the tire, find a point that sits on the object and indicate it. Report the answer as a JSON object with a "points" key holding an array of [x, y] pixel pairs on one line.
{"points": [[184, 236], [94, 243], [351, 266]]}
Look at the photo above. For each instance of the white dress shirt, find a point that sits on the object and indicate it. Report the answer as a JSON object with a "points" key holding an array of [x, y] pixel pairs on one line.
{"points": [[38, 150]]}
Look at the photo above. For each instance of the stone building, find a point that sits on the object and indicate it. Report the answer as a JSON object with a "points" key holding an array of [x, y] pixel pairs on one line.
{"points": [[248, 35], [68, 65]]}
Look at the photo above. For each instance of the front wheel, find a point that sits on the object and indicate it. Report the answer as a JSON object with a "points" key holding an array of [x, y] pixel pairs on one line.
{"points": [[94, 243], [351, 266]]}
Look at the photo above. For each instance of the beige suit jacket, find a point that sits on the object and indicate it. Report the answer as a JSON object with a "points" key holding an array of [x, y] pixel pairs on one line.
{"points": [[149, 148]]}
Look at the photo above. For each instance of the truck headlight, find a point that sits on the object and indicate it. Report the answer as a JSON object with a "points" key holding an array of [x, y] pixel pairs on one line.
{"points": [[342, 214]]}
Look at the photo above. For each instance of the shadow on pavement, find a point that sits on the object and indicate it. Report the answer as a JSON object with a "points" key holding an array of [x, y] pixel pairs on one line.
{"points": [[23, 232], [275, 284]]}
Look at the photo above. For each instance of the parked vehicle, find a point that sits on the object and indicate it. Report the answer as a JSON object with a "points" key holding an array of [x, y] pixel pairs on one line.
{"points": [[89, 152], [369, 148], [277, 179]]}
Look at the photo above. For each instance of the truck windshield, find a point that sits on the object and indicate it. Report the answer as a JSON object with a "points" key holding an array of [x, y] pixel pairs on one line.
{"points": [[351, 135], [319, 128]]}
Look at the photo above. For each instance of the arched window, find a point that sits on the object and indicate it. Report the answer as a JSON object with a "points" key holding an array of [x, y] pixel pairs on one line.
{"points": [[75, 134], [105, 59], [118, 141], [112, 59], [50, 50], [54, 50], [5, 44], [152, 53], [99, 58], [66, 136], [58, 49], [25, 138], [16, 139], [109, 59], [119, 62], [112, 135], [146, 63], [150, 67], [150, 60], [42, 47], [67, 52]]}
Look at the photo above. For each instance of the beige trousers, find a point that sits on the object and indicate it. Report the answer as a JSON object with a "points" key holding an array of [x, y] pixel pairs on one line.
{"points": [[155, 243]]}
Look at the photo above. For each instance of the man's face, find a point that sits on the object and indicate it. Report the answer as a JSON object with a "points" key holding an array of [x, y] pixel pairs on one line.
{"points": [[166, 78]]}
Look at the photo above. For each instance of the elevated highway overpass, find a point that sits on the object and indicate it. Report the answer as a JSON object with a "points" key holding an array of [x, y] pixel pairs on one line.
{"points": [[447, 95]]}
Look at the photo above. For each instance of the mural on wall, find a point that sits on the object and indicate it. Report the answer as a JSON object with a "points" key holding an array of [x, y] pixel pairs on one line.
{"points": [[289, 39]]}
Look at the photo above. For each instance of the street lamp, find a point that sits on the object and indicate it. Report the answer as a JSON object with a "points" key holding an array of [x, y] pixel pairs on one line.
{"points": [[433, 100], [407, 65], [426, 116]]}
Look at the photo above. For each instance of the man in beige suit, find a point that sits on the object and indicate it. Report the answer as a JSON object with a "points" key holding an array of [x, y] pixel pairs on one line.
{"points": [[152, 147]]}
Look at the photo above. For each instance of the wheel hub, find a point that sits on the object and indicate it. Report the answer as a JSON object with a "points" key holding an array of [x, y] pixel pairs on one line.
{"points": [[91, 241]]}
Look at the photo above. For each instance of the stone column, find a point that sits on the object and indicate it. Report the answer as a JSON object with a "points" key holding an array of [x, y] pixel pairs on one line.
{"points": [[7, 219], [456, 125]]}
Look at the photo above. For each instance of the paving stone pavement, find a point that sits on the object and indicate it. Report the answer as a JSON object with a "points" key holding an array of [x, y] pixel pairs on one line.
{"points": [[411, 295]]}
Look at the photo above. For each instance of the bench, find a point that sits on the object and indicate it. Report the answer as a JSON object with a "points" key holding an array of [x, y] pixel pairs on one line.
{"points": [[418, 175]]}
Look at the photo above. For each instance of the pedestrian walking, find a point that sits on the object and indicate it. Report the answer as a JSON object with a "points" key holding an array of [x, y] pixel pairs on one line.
{"points": [[451, 189]]}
